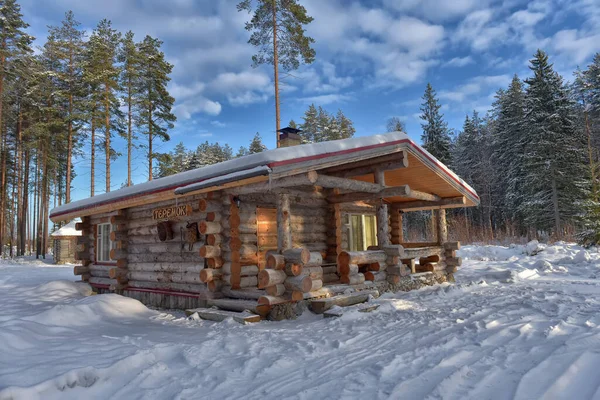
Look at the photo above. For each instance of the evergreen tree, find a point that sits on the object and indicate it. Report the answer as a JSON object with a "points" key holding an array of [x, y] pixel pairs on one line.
{"points": [[278, 33], [395, 124], [310, 127], [556, 181], [256, 145], [292, 124], [324, 125], [242, 151], [435, 137], [508, 148], [129, 80], [345, 126], [14, 41], [155, 115], [103, 71], [69, 47]]}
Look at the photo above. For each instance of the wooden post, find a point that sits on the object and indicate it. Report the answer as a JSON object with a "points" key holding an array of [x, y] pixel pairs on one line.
{"points": [[442, 227], [284, 224], [396, 226], [383, 227]]}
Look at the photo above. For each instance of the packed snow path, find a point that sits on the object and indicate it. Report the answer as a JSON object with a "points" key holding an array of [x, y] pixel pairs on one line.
{"points": [[513, 326]]}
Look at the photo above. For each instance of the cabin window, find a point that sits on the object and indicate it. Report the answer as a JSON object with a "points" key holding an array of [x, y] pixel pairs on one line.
{"points": [[362, 232], [104, 244]]}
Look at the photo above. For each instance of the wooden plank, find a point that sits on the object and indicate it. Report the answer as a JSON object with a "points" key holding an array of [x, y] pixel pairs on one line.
{"points": [[236, 305], [419, 205], [221, 315], [319, 306]]}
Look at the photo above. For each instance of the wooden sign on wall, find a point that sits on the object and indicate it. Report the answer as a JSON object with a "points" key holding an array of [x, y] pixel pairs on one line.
{"points": [[171, 212]]}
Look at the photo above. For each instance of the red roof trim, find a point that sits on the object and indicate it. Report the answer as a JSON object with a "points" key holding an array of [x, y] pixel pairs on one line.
{"points": [[280, 163]]}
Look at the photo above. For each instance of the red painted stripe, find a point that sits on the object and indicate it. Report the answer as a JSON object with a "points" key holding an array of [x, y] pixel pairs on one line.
{"points": [[280, 163]]}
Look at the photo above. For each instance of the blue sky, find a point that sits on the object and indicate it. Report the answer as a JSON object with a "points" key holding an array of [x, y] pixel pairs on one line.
{"points": [[373, 61]]}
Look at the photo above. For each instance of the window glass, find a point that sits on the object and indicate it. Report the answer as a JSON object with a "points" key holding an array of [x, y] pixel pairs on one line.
{"points": [[104, 244], [362, 232]]}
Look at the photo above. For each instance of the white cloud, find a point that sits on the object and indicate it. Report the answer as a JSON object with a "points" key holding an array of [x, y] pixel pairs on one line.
{"points": [[218, 124], [436, 10], [575, 45], [325, 99], [474, 87], [459, 61], [243, 88]]}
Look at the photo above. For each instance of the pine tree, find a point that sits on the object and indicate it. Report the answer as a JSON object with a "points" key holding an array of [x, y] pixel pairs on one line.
{"points": [[395, 124], [278, 33], [435, 137], [310, 126], [508, 148], [242, 151], [14, 41], [256, 145], [556, 181], [292, 124], [155, 115], [323, 125], [68, 39], [103, 48], [344, 126], [129, 81]]}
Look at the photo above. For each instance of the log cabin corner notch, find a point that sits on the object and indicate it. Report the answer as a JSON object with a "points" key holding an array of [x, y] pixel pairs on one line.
{"points": [[275, 227]]}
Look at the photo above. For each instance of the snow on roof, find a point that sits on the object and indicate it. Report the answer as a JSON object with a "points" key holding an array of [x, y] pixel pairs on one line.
{"points": [[228, 167], [233, 167], [68, 230]]}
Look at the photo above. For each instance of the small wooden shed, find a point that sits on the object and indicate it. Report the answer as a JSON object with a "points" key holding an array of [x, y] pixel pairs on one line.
{"points": [[286, 225], [64, 243]]}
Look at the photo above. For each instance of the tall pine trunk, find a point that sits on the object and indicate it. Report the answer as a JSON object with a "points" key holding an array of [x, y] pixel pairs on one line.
{"points": [[276, 72], [93, 154], [149, 138], [129, 132], [2, 155], [19, 175], [555, 207], [24, 204], [107, 134], [70, 129]]}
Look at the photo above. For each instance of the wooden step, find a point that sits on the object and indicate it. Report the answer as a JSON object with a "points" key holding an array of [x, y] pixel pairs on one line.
{"points": [[319, 306], [214, 314]]}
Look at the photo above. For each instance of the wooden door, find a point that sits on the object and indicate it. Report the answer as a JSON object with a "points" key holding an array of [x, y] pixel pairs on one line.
{"points": [[266, 232]]}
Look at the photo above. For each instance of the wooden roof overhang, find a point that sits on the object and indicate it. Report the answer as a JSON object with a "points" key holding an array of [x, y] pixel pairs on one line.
{"points": [[414, 180]]}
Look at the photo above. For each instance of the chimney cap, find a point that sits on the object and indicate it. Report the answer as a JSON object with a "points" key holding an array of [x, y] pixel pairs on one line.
{"points": [[288, 130]]}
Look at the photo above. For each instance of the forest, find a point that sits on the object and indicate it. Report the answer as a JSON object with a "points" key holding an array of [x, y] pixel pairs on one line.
{"points": [[533, 157]]}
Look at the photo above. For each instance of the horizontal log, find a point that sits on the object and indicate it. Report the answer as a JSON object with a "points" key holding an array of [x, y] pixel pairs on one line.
{"points": [[361, 257], [81, 226], [420, 205], [118, 219], [245, 270], [300, 283], [314, 272], [275, 261], [102, 281], [122, 263], [210, 251], [452, 245], [214, 286], [394, 191], [83, 255], [393, 250], [400, 270], [451, 269], [423, 252], [209, 274], [329, 269], [424, 268], [316, 285], [429, 259], [327, 278], [411, 264], [275, 290], [245, 281], [247, 293], [190, 268], [353, 279], [206, 205], [376, 266], [319, 306], [300, 255], [375, 276], [271, 300], [117, 254], [171, 286], [455, 262], [207, 228], [214, 239], [80, 270], [213, 216], [168, 277], [316, 259], [270, 277], [293, 269], [215, 262], [350, 269], [119, 236]]}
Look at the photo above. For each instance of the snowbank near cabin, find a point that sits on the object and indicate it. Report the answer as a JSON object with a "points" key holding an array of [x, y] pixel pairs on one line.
{"points": [[522, 322]]}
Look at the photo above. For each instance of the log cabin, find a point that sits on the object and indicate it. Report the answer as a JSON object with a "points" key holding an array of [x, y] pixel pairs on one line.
{"points": [[64, 243], [288, 225]]}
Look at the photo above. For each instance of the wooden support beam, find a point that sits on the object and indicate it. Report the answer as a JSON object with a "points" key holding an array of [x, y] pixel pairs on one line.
{"points": [[395, 191], [284, 225], [366, 167], [382, 215], [448, 202], [442, 226]]}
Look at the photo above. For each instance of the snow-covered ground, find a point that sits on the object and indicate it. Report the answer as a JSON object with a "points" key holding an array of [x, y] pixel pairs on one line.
{"points": [[513, 326]]}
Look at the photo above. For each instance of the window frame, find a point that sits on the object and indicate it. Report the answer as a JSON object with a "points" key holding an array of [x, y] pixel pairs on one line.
{"points": [[100, 243]]}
